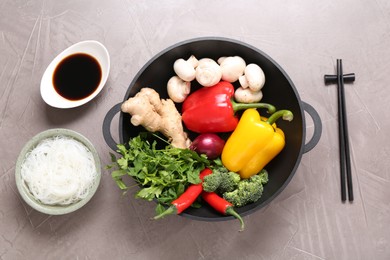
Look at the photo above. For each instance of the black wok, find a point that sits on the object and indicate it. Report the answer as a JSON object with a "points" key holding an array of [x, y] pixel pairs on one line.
{"points": [[279, 90]]}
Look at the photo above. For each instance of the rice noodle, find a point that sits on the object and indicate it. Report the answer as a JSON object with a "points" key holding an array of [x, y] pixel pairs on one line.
{"points": [[59, 171]]}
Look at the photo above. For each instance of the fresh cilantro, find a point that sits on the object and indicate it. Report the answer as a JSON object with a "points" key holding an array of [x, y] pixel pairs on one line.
{"points": [[162, 174]]}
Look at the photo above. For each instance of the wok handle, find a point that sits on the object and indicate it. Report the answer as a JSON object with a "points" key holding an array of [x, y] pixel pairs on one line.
{"points": [[107, 126], [317, 127]]}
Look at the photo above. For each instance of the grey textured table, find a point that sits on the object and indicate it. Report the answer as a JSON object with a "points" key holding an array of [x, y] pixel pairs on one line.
{"points": [[306, 221]]}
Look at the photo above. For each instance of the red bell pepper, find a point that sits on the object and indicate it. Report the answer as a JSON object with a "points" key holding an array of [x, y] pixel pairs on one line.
{"points": [[212, 109]]}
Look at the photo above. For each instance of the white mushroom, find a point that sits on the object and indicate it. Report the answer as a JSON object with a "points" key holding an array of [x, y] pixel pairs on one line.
{"points": [[243, 82], [253, 77], [246, 95], [178, 89], [208, 72], [193, 61], [185, 69], [232, 67], [221, 59]]}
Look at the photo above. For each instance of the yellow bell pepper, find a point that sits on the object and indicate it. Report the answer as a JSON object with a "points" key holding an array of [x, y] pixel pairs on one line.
{"points": [[254, 142]]}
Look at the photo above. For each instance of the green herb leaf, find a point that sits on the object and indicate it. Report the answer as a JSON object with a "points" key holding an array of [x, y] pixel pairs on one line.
{"points": [[121, 184], [162, 174], [160, 209], [149, 193], [196, 205]]}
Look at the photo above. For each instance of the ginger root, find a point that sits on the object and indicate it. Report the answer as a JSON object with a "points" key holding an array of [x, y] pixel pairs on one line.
{"points": [[157, 115]]}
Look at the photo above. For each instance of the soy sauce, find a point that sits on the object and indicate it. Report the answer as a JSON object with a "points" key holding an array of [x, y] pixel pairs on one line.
{"points": [[77, 76]]}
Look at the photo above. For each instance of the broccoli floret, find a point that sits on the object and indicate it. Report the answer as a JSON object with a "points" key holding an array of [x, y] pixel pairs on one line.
{"points": [[229, 182], [211, 182], [263, 176], [221, 180], [248, 190]]}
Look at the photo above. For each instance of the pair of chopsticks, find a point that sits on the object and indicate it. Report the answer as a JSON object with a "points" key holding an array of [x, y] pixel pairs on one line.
{"points": [[345, 158]]}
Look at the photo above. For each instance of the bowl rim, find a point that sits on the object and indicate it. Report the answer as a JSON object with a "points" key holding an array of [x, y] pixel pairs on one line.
{"points": [[23, 189]]}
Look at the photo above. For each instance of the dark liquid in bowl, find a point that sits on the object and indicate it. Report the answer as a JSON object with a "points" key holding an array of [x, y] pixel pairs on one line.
{"points": [[77, 76]]}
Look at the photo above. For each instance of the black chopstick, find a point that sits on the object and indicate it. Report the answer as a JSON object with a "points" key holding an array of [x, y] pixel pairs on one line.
{"points": [[345, 158]]}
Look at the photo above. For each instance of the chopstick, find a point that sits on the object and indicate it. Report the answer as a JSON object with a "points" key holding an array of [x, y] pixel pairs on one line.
{"points": [[345, 158]]}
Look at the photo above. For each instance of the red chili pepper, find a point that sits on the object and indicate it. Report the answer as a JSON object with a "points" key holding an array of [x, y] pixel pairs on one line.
{"points": [[212, 109], [221, 205], [187, 198]]}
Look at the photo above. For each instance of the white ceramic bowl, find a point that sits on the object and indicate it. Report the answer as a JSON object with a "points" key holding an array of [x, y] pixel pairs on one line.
{"points": [[92, 48], [24, 190]]}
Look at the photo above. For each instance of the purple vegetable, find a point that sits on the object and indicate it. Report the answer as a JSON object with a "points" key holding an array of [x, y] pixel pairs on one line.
{"points": [[208, 144]]}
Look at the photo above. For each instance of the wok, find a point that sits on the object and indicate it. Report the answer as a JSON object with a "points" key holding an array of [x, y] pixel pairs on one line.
{"points": [[279, 90]]}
